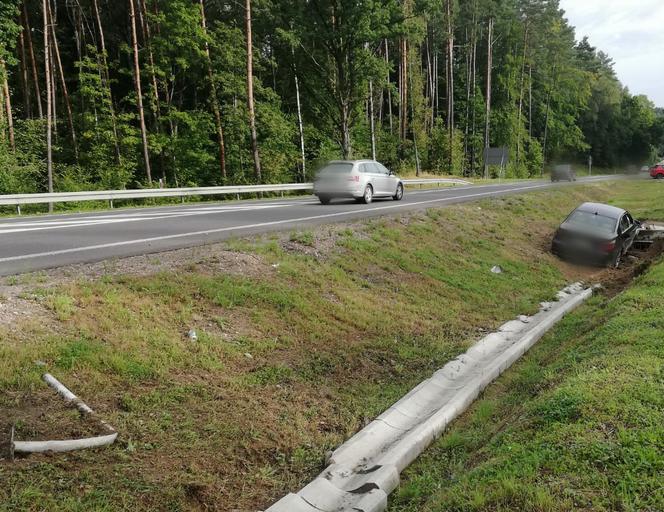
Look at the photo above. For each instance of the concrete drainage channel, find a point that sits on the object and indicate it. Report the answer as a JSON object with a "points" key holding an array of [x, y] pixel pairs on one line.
{"points": [[362, 472]]}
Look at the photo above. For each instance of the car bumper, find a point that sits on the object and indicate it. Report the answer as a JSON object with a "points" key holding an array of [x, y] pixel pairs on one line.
{"points": [[584, 255], [354, 191]]}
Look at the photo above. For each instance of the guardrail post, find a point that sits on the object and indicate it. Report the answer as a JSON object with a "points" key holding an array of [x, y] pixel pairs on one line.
{"points": [[18, 209], [110, 203]]}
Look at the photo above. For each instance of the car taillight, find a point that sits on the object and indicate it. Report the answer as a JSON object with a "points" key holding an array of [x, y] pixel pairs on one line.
{"points": [[354, 178], [608, 246]]}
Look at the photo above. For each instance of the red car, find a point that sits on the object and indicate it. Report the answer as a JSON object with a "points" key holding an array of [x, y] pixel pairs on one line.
{"points": [[657, 171]]}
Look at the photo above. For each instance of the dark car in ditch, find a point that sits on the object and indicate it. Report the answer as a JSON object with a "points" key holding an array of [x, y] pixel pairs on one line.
{"points": [[595, 234]]}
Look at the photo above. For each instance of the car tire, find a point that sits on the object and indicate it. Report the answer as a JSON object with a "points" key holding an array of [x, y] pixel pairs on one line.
{"points": [[367, 197], [324, 199], [399, 194], [660, 176]]}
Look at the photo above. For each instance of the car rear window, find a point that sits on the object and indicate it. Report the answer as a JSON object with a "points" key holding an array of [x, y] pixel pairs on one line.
{"points": [[337, 168], [591, 223]]}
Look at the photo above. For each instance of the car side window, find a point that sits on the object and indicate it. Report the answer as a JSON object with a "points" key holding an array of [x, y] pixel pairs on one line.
{"points": [[630, 219], [624, 223], [364, 168], [384, 169]]}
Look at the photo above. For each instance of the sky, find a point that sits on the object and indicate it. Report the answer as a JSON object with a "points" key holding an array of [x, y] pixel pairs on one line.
{"points": [[631, 32]]}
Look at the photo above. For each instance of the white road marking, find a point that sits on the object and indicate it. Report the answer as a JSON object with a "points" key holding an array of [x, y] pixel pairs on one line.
{"points": [[50, 224], [257, 225]]}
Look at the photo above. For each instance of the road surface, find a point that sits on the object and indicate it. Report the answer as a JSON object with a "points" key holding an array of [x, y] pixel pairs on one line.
{"points": [[35, 243]]}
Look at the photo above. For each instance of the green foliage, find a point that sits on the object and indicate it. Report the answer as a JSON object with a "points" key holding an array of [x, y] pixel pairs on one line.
{"points": [[439, 150], [553, 99]]}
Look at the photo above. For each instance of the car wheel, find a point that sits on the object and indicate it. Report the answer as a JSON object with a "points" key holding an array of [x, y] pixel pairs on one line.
{"points": [[324, 199], [399, 195], [660, 176], [367, 197]]}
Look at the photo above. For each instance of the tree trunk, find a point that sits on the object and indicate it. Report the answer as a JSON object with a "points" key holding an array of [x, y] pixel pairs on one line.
{"points": [[300, 126], [106, 81], [546, 115], [25, 87], [487, 119], [450, 85], [33, 61], [412, 106], [403, 82], [250, 92], [469, 64], [530, 101], [8, 104], [63, 83], [155, 104], [3, 131], [371, 121], [139, 95], [474, 80], [346, 148], [49, 102], [521, 92], [389, 88], [214, 100], [147, 39]]}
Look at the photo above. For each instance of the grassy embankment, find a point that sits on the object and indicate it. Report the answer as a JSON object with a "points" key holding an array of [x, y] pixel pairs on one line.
{"points": [[299, 344], [578, 424]]}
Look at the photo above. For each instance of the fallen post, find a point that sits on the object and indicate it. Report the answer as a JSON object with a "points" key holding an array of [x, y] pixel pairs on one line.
{"points": [[65, 445]]}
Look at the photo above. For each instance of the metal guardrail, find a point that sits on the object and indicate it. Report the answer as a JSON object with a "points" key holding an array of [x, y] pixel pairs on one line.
{"points": [[111, 195]]}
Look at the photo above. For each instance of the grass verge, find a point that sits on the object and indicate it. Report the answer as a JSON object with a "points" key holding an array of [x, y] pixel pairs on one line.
{"points": [[312, 336], [577, 424]]}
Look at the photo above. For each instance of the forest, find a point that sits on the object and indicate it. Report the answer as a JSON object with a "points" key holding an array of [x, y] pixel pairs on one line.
{"points": [[112, 94]]}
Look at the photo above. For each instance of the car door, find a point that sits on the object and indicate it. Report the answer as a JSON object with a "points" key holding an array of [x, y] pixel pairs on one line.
{"points": [[368, 175], [629, 233], [376, 177], [624, 232], [389, 181]]}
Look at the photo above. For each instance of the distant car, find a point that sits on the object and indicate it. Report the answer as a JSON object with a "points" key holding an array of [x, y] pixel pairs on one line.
{"points": [[657, 171], [362, 180], [595, 234], [563, 172]]}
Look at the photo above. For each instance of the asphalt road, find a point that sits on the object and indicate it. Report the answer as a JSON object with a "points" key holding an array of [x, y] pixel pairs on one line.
{"points": [[35, 243]]}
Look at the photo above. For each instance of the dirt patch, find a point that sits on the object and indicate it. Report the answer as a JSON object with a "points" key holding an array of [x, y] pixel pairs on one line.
{"points": [[14, 309], [42, 416]]}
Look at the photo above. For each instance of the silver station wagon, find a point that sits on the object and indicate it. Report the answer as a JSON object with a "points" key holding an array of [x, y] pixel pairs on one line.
{"points": [[362, 180]]}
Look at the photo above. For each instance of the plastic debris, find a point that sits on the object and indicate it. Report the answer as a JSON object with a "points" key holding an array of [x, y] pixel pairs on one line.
{"points": [[192, 335], [496, 269], [248, 355]]}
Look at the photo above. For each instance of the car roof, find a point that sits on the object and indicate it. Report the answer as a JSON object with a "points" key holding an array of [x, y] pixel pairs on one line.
{"points": [[602, 209], [351, 161]]}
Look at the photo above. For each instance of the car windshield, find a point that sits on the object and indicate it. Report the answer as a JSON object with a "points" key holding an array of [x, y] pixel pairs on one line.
{"points": [[337, 168], [591, 222]]}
